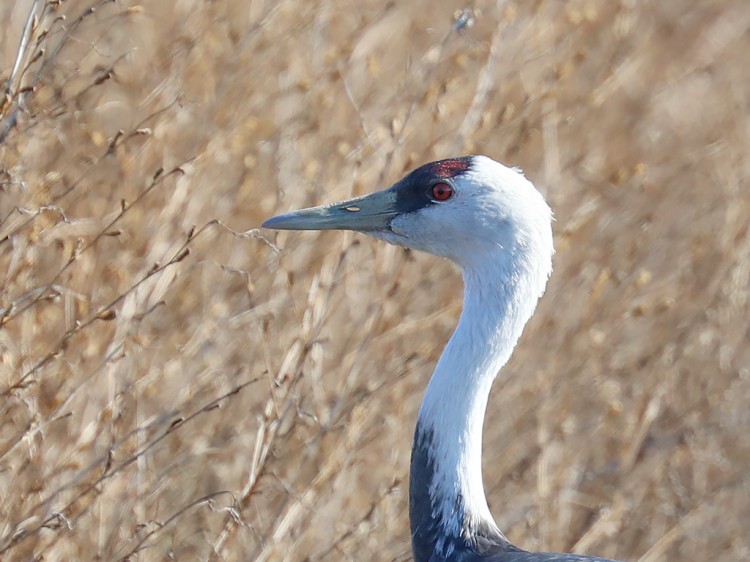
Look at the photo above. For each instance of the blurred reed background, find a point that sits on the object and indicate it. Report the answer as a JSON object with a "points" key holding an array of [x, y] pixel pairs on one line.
{"points": [[179, 385]]}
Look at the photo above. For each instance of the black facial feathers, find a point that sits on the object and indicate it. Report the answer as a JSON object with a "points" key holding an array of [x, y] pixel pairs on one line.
{"points": [[413, 191]]}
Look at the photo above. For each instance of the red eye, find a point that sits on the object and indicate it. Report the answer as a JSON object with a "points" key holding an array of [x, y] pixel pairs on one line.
{"points": [[441, 192]]}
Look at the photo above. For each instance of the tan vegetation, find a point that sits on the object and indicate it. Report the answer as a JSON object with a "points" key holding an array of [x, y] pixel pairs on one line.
{"points": [[177, 384]]}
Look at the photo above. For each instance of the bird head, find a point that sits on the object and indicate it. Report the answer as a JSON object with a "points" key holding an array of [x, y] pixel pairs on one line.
{"points": [[466, 209]]}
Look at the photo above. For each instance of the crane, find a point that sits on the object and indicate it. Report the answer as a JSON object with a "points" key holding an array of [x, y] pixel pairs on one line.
{"points": [[492, 223]]}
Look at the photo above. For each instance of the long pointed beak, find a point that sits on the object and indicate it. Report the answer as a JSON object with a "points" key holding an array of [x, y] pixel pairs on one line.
{"points": [[367, 213]]}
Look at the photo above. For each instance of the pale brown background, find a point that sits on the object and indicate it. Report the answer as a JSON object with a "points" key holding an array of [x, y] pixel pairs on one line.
{"points": [[620, 427]]}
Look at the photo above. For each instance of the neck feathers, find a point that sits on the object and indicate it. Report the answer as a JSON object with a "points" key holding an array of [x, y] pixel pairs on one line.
{"points": [[448, 507]]}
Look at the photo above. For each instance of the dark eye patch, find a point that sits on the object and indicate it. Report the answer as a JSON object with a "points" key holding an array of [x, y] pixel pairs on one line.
{"points": [[413, 192]]}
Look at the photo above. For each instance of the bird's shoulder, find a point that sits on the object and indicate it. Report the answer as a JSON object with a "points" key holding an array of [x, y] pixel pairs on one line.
{"points": [[489, 550]]}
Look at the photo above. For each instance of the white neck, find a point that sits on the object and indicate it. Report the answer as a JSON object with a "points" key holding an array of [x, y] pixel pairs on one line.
{"points": [[499, 297]]}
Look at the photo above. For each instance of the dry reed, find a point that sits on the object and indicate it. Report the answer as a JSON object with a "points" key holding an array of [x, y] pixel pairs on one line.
{"points": [[177, 384]]}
